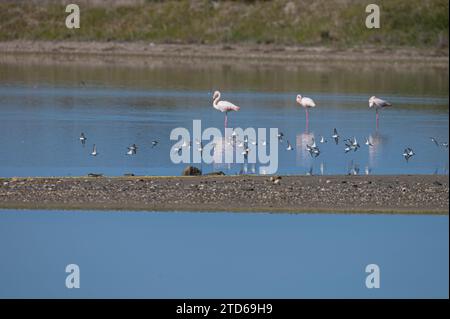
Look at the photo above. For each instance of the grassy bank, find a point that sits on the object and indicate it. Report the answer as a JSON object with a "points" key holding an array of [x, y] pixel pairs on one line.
{"points": [[409, 23]]}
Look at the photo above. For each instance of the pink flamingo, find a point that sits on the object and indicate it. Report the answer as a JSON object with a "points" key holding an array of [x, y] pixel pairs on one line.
{"points": [[378, 104], [306, 103], [223, 106]]}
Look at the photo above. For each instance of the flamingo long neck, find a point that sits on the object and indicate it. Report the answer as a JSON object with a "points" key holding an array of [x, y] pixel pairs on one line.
{"points": [[215, 101]]}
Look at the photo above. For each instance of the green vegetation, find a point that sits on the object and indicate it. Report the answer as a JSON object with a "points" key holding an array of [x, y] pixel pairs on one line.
{"points": [[419, 23]]}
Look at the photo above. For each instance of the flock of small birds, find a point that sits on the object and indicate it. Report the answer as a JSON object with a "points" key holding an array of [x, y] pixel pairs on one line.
{"points": [[131, 150], [350, 144]]}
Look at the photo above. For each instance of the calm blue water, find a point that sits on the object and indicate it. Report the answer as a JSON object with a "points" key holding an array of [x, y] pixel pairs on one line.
{"points": [[40, 129], [45, 108], [207, 255]]}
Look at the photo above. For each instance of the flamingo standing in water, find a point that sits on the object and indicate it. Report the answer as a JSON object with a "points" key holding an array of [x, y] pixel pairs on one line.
{"points": [[223, 106], [306, 103], [378, 104]]}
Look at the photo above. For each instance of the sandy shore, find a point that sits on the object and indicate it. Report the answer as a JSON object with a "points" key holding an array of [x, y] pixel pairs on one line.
{"points": [[135, 52], [346, 194]]}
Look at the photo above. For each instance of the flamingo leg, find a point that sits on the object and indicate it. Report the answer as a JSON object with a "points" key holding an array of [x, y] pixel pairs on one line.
{"points": [[307, 119], [377, 118], [226, 119]]}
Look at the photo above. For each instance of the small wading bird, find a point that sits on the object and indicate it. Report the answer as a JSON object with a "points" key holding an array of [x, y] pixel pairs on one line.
{"points": [[378, 104], [280, 137], [289, 147], [351, 144], [408, 153], [223, 106], [306, 103], [178, 150], [313, 150], [335, 136], [154, 143], [434, 141], [368, 142], [94, 151], [83, 138], [245, 152], [132, 150]]}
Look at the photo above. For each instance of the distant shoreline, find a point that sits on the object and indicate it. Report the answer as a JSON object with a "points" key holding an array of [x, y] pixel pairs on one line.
{"points": [[129, 52], [393, 194]]}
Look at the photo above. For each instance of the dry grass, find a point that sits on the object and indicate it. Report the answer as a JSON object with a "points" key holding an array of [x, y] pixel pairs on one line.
{"points": [[415, 23]]}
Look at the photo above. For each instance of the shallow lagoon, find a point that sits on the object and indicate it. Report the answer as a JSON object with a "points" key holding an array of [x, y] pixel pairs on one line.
{"points": [[44, 108], [208, 255]]}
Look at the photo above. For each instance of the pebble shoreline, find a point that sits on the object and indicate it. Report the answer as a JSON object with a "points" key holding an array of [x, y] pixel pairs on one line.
{"points": [[334, 194], [138, 53]]}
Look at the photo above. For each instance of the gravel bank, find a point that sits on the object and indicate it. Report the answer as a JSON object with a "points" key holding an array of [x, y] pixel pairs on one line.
{"points": [[134, 53], [366, 194]]}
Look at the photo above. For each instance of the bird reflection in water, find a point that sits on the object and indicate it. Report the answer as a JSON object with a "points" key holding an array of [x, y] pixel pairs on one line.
{"points": [[303, 157], [376, 140]]}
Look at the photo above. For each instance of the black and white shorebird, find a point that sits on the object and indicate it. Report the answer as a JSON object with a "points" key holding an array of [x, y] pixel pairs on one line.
{"points": [[154, 143], [83, 138], [289, 146], [323, 140], [368, 142], [351, 144], [355, 143], [94, 151], [280, 137], [434, 141], [316, 151], [178, 150], [132, 149], [408, 153], [245, 152], [335, 136], [313, 150]]}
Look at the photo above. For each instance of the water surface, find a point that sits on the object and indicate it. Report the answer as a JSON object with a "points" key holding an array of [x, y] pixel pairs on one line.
{"points": [[44, 108], [222, 255]]}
